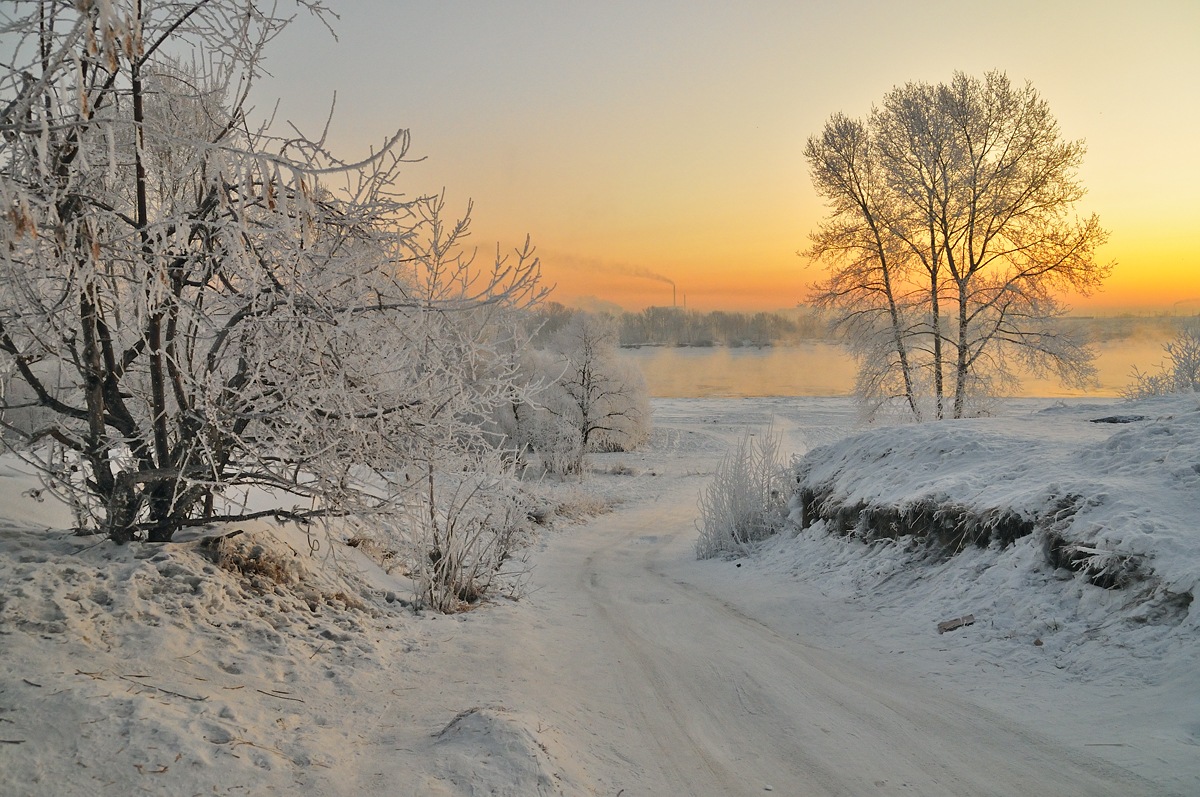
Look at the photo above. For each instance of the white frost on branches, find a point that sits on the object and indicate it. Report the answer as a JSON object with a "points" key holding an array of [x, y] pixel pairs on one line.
{"points": [[746, 500], [1178, 373], [589, 398], [202, 321], [950, 240]]}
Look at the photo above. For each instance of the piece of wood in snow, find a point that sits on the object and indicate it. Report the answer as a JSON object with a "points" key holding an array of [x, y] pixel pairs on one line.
{"points": [[957, 622]]}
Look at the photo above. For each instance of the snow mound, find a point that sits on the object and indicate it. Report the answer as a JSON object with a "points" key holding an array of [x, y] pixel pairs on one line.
{"points": [[202, 665], [1115, 502], [491, 750], [1071, 537]]}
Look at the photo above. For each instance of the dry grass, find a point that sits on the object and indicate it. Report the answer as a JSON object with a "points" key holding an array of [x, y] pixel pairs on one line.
{"points": [[387, 558], [579, 505], [263, 562]]}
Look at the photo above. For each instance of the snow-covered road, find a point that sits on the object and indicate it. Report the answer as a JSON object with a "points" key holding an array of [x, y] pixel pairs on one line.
{"points": [[679, 690]]}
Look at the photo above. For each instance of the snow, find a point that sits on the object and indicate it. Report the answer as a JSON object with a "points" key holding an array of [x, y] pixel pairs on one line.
{"points": [[1124, 660], [1132, 486], [813, 667]]}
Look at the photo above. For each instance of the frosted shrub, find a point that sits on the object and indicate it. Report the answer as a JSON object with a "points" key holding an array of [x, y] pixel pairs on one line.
{"points": [[581, 397], [1180, 373], [561, 448], [467, 528], [628, 426], [746, 500]]}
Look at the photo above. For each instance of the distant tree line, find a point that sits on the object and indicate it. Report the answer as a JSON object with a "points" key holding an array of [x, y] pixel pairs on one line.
{"points": [[675, 326]]}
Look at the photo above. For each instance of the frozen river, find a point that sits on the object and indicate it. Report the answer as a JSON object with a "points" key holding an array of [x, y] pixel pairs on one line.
{"points": [[825, 369]]}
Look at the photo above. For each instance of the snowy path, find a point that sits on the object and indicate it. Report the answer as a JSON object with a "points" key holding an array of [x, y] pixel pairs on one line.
{"points": [[681, 692]]}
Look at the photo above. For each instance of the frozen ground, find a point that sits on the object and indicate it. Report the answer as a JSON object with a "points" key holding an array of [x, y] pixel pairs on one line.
{"points": [[631, 668]]}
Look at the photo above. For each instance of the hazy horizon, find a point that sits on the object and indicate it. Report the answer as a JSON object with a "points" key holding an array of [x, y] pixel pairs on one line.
{"points": [[824, 368], [1135, 312]]}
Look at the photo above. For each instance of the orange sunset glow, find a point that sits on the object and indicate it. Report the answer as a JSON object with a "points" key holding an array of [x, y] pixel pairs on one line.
{"points": [[635, 139]]}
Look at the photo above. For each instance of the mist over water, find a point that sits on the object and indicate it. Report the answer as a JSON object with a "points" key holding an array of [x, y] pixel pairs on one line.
{"points": [[825, 369], [808, 369]]}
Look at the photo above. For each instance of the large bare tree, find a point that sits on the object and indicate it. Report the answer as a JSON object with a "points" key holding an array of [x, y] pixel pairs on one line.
{"points": [[867, 289], [951, 237]]}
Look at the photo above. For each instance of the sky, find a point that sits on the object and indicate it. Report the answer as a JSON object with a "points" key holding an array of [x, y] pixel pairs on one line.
{"points": [[640, 143]]}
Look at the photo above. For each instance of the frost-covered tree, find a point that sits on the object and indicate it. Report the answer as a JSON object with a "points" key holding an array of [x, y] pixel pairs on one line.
{"points": [[869, 289], [950, 238], [603, 397], [1178, 373], [200, 321], [586, 397]]}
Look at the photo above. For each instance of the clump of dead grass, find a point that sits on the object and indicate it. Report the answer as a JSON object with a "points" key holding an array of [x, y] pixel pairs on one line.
{"points": [[577, 505], [263, 562], [386, 557]]}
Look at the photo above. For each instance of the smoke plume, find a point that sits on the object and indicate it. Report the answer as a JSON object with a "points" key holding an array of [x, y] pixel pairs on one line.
{"points": [[608, 267]]}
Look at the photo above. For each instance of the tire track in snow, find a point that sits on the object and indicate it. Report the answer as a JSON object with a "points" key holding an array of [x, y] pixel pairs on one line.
{"points": [[684, 721]]}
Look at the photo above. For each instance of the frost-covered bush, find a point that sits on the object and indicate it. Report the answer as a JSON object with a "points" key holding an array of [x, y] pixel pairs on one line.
{"points": [[746, 501], [463, 531], [560, 447], [535, 426], [630, 428], [1179, 373], [599, 394]]}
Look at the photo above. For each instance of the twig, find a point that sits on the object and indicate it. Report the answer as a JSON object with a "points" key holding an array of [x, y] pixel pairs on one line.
{"points": [[957, 622], [31, 683], [281, 697], [238, 742], [12, 741], [213, 542], [164, 691]]}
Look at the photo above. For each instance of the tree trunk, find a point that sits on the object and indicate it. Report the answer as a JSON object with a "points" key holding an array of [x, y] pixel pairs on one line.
{"points": [[935, 321], [894, 312], [960, 363]]}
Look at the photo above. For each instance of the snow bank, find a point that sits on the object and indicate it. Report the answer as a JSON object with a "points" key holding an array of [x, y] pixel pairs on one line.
{"points": [[1066, 516], [155, 667], [1113, 496], [266, 661]]}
